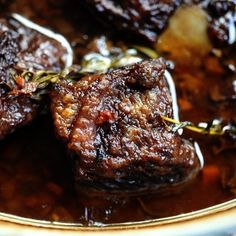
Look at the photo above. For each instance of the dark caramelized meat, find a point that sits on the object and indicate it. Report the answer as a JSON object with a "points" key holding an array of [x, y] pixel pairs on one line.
{"points": [[8, 58], [22, 48], [146, 18], [16, 111], [112, 125], [223, 23]]}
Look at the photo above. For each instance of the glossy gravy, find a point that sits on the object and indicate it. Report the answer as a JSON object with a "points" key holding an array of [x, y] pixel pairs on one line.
{"points": [[35, 174]]}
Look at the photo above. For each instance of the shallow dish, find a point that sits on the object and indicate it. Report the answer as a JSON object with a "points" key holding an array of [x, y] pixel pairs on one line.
{"points": [[216, 220], [219, 219]]}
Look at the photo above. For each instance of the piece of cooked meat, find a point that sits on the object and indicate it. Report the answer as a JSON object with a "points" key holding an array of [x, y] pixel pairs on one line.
{"points": [[222, 25], [16, 111], [143, 17], [22, 48], [118, 142]]}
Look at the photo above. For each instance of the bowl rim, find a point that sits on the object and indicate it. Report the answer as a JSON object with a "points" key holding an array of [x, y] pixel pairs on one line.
{"points": [[181, 218]]}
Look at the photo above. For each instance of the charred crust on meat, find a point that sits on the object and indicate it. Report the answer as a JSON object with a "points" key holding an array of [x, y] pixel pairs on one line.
{"points": [[22, 48], [144, 18], [112, 126], [222, 24]]}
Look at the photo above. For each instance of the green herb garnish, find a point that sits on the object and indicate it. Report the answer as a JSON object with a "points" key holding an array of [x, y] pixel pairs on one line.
{"points": [[37, 82], [213, 128], [95, 62], [147, 51]]}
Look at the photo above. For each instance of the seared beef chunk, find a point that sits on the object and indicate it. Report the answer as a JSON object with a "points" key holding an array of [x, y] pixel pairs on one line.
{"points": [[22, 48], [16, 111], [146, 18], [113, 127], [223, 23], [8, 57]]}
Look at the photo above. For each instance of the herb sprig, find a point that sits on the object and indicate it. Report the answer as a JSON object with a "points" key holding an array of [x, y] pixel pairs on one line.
{"points": [[36, 83], [95, 62], [215, 128]]}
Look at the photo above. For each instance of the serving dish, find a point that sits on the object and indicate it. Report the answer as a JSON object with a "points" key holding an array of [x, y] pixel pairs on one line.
{"points": [[217, 220], [217, 217]]}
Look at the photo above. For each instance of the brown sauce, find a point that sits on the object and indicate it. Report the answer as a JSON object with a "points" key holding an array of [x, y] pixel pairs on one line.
{"points": [[35, 175]]}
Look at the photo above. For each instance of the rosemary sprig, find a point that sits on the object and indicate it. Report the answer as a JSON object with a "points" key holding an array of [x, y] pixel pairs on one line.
{"points": [[214, 128]]}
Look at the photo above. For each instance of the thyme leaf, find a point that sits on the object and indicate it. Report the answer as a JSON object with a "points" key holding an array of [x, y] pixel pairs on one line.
{"points": [[147, 51], [95, 62], [36, 83], [213, 128]]}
